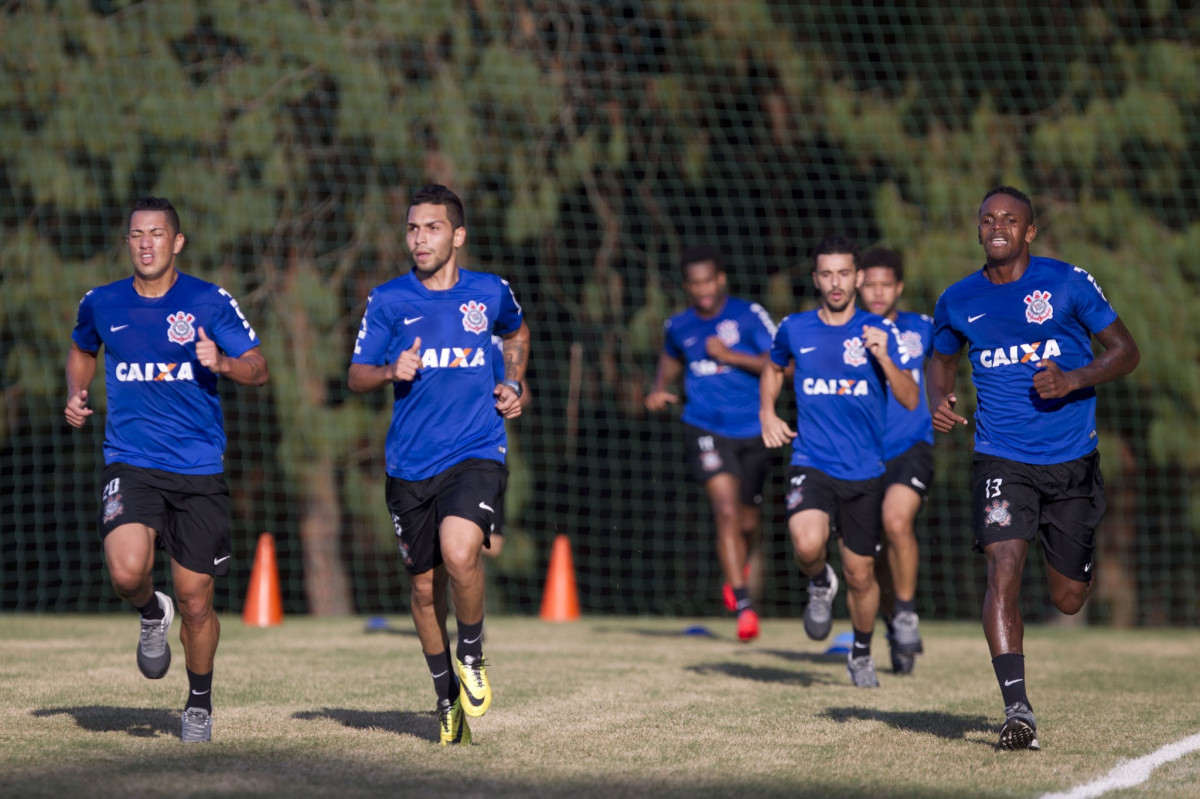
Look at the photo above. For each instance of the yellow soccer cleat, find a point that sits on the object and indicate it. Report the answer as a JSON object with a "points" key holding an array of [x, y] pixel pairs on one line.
{"points": [[476, 695], [452, 723]]}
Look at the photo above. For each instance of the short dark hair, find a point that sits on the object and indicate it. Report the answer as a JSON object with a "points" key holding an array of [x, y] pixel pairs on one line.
{"points": [[155, 204], [697, 254], [1016, 194], [834, 245], [437, 194], [886, 258]]}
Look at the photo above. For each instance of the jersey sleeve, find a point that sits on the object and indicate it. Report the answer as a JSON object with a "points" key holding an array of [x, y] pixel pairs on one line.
{"points": [[781, 347], [1095, 311], [508, 320], [670, 345], [374, 334], [85, 335], [231, 330], [946, 339], [764, 331]]}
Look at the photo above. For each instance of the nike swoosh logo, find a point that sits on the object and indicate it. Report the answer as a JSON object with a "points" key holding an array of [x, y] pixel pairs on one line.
{"points": [[486, 508], [219, 561], [806, 350], [440, 674], [115, 328], [687, 342], [470, 640], [199, 693], [971, 319], [857, 645], [470, 697], [1013, 682], [408, 321]]}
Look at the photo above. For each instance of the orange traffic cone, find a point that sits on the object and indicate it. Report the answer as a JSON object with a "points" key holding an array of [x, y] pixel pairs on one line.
{"points": [[560, 601], [264, 601]]}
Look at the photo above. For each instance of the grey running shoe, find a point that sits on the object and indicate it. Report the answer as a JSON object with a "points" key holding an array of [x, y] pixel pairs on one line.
{"points": [[818, 616], [905, 633], [902, 663], [862, 672], [197, 726], [1020, 729], [153, 652]]}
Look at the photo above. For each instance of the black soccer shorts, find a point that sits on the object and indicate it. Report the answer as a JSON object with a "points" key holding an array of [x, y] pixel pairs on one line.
{"points": [[190, 513], [912, 468], [1061, 503], [471, 490], [747, 459], [854, 506]]}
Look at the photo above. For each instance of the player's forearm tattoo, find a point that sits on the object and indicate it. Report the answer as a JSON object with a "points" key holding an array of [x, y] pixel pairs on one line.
{"points": [[516, 356]]}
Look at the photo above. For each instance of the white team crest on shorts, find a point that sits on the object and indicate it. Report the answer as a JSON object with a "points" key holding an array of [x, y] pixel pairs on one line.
{"points": [[795, 497], [855, 352], [403, 547], [181, 330], [474, 316], [728, 332], [1038, 308], [710, 461], [113, 508], [997, 513]]}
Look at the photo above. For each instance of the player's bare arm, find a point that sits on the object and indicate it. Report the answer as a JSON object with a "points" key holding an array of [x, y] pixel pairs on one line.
{"points": [[660, 396], [364, 377], [903, 387], [719, 351], [939, 377], [1119, 358], [775, 431], [81, 368], [248, 369], [516, 359]]}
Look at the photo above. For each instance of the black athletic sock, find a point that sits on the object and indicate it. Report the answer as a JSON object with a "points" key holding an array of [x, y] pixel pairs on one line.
{"points": [[1010, 673], [861, 647], [152, 610], [470, 640], [741, 596], [445, 684], [822, 578], [906, 605], [199, 691]]}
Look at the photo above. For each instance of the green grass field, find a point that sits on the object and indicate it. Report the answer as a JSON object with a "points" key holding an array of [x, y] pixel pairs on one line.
{"points": [[602, 707]]}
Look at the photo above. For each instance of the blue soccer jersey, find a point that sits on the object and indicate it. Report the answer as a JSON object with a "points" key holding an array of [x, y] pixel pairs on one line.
{"points": [[163, 408], [448, 413], [904, 427], [721, 399], [1051, 312], [841, 393]]}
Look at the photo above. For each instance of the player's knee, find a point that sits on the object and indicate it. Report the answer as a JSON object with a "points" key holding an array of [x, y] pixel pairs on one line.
{"points": [[194, 608], [1070, 599], [859, 576]]}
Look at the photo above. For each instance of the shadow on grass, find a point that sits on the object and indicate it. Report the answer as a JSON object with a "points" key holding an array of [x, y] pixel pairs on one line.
{"points": [[930, 722], [400, 722], [139, 722], [793, 656], [690, 631], [761, 674]]}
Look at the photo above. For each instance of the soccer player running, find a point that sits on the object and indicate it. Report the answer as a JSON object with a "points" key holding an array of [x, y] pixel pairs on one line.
{"points": [[722, 342], [846, 359], [908, 454], [1027, 323], [428, 335], [167, 338]]}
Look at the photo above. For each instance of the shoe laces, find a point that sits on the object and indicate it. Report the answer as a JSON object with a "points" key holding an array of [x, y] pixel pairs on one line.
{"points": [[152, 636]]}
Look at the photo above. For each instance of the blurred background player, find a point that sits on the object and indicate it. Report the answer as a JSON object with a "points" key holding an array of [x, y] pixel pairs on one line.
{"points": [[167, 338], [845, 360], [720, 345], [1028, 324], [908, 454], [428, 335]]}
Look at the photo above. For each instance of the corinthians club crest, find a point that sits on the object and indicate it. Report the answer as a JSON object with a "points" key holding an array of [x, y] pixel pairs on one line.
{"points": [[474, 316], [856, 352], [728, 332], [997, 513], [180, 330], [1038, 308]]}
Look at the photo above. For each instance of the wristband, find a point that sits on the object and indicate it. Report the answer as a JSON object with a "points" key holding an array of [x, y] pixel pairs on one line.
{"points": [[515, 386]]}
